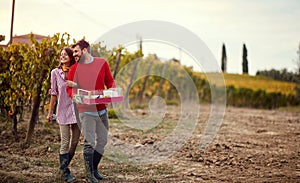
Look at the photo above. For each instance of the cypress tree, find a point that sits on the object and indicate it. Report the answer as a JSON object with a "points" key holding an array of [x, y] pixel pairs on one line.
{"points": [[245, 60], [224, 59]]}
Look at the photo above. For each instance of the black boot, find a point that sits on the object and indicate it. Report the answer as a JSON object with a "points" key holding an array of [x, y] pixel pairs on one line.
{"points": [[88, 162], [97, 158], [71, 155], [64, 160]]}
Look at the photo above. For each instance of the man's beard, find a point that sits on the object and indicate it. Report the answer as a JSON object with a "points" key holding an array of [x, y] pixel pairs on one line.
{"points": [[81, 59]]}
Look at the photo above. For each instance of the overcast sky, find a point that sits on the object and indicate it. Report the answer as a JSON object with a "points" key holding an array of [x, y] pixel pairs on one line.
{"points": [[269, 28]]}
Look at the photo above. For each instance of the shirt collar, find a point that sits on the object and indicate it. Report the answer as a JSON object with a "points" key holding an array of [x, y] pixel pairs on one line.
{"points": [[90, 61]]}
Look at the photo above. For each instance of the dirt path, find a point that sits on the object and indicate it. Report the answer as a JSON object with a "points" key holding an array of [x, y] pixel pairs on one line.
{"points": [[251, 146]]}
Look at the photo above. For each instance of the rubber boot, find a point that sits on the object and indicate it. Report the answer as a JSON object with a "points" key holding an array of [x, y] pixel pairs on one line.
{"points": [[97, 158], [88, 163], [64, 160], [71, 155]]}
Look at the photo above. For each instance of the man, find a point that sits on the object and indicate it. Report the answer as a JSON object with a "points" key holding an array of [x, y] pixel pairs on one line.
{"points": [[91, 73]]}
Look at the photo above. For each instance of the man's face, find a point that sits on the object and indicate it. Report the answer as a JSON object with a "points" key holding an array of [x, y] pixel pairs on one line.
{"points": [[77, 53]]}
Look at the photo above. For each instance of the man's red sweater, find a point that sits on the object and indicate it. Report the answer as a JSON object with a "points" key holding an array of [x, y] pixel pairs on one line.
{"points": [[92, 76]]}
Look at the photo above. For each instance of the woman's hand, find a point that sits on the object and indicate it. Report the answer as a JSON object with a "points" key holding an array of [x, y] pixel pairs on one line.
{"points": [[49, 118], [71, 84]]}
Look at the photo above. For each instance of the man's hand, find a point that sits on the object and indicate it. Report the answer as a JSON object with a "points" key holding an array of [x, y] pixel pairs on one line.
{"points": [[77, 99]]}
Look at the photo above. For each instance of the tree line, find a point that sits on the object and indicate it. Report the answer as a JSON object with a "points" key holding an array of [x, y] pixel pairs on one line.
{"points": [[280, 75], [284, 74]]}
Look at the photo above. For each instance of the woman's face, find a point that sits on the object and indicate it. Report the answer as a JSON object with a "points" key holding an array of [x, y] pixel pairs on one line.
{"points": [[64, 58]]}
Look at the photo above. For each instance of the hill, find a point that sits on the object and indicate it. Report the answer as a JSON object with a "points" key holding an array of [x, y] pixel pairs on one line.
{"points": [[251, 91], [260, 83], [255, 83]]}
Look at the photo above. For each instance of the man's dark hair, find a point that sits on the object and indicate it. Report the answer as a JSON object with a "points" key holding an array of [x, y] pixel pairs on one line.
{"points": [[82, 44]]}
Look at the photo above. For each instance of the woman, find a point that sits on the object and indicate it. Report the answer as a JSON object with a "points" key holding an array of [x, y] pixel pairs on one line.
{"points": [[65, 115]]}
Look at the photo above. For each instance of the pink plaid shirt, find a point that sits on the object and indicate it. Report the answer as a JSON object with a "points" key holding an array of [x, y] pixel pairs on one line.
{"points": [[65, 110]]}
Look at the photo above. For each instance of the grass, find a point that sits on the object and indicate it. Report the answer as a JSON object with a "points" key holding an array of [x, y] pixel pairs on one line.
{"points": [[259, 83]]}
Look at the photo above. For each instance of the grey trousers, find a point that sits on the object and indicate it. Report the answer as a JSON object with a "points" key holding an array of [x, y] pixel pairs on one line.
{"points": [[69, 137], [95, 131]]}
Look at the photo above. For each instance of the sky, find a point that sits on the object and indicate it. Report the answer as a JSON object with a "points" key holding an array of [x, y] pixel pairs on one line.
{"points": [[270, 29]]}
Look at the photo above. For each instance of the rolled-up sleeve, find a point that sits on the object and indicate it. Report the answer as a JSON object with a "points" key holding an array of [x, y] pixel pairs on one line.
{"points": [[53, 90]]}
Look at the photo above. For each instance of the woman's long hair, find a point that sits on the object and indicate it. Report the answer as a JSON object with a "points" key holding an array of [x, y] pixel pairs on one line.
{"points": [[70, 54]]}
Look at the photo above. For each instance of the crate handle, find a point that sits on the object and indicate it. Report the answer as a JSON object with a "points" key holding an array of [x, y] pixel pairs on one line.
{"points": [[87, 91]]}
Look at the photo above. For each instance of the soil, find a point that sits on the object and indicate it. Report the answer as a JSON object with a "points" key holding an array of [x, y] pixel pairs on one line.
{"points": [[252, 145]]}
